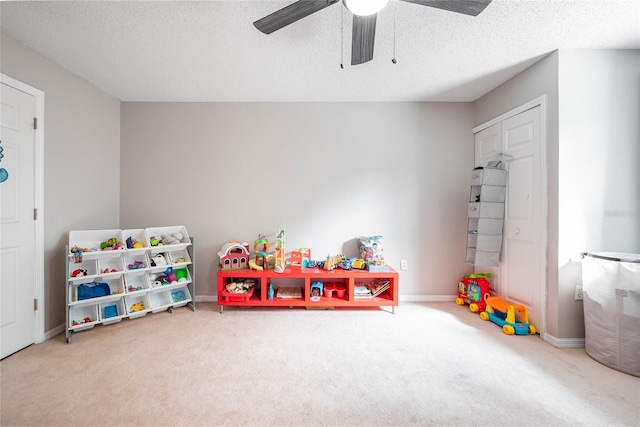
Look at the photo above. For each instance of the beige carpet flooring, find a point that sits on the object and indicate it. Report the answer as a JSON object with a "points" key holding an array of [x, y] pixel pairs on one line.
{"points": [[428, 364]]}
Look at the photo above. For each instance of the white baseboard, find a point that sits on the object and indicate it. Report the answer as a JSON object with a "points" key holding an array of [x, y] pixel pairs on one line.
{"points": [[564, 342], [53, 332]]}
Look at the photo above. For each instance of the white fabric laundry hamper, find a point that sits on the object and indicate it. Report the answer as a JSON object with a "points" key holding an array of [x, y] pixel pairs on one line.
{"points": [[611, 290]]}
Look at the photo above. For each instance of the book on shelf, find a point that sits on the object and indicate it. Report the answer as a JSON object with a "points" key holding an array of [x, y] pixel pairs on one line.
{"points": [[371, 289], [289, 292]]}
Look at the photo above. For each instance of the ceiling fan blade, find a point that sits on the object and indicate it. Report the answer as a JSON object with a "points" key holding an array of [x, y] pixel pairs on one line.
{"points": [[468, 7], [362, 38], [287, 15]]}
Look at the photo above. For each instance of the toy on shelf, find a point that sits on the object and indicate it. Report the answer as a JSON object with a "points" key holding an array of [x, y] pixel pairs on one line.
{"points": [[261, 248], [239, 287], [332, 262], [300, 258], [158, 260], [316, 291], [347, 263], [79, 272], [137, 306], [136, 265], [234, 255], [371, 251], [270, 291], [177, 296], [133, 243], [171, 275], [173, 239], [111, 244], [181, 274], [474, 290], [513, 318], [110, 311], [165, 240], [330, 288], [280, 257], [358, 264]]}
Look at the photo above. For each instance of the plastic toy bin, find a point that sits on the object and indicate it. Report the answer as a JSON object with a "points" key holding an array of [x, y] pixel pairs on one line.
{"points": [[85, 315], [158, 232], [159, 301], [91, 239], [611, 289], [112, 311]]}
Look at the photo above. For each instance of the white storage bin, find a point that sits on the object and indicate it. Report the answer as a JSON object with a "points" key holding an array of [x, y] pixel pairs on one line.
{"points": [[159, 301], [81, 271], [92, 240], [611, 290], [136, 305], [136, 261], [116, 290], [110, 266], [180, 296], [112, 311], [136, 282], [83, 317], [179, 257], [159, 262], [137, 235], [158, 232]]}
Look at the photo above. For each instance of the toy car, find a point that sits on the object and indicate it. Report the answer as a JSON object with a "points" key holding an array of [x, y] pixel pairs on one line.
{"points": [[359, 264], [346, 264], [503, 313]]}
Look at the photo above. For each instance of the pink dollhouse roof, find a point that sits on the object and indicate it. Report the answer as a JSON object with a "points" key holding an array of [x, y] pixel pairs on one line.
{"points": [[228, 247]]}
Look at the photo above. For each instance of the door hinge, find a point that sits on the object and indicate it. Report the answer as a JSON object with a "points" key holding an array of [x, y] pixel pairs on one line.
{"points": [[35, 304], [35, 123], [35, 214]]}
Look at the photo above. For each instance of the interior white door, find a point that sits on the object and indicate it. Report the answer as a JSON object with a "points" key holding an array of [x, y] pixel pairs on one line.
{"points": [[17, 225], [521, 275]]}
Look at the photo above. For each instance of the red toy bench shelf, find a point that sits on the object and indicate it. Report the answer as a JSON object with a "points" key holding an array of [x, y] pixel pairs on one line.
{"points": [[303, 279]]}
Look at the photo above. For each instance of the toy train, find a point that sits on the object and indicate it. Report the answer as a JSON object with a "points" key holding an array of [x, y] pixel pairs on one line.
{"points": [[474, 290]]}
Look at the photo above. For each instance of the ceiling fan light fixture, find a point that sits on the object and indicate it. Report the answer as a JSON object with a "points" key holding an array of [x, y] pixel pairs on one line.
{"points": [[365, 7]]}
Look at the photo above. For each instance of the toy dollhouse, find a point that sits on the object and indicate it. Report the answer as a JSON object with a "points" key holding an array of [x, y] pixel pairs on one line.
{"points": [[234, 256]]}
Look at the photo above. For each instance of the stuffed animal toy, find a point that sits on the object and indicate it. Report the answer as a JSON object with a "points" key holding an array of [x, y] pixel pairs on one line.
{"points": [[174, 239]]}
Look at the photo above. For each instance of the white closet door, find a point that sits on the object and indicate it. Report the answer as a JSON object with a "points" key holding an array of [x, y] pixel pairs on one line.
{"points": [[521, 275], [522, 269]]}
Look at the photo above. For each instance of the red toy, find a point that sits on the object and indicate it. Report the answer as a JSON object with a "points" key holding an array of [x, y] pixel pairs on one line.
{"points": [[474, 291]]}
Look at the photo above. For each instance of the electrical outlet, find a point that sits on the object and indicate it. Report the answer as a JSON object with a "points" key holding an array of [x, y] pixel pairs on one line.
{"points": [[403, 264], [578, 293]]}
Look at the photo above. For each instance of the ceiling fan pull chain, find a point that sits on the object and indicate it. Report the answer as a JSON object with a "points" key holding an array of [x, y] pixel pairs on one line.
{"points": [[394, 34], [341, 38]]}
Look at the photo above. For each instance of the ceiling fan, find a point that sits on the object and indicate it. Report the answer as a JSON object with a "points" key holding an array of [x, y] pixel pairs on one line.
{"points": [[364, 18]]}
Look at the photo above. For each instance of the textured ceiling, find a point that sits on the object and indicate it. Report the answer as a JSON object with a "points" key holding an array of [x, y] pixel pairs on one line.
{"points": [[210, 51]]}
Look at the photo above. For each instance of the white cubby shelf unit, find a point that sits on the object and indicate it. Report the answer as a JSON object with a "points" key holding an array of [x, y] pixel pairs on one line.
{"points": [[106, 286]]}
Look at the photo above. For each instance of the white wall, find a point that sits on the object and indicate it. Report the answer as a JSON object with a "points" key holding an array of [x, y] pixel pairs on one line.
{"points": [[599, 176], [593, 140], [326, 172], [537, 80], [81, 160]]}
